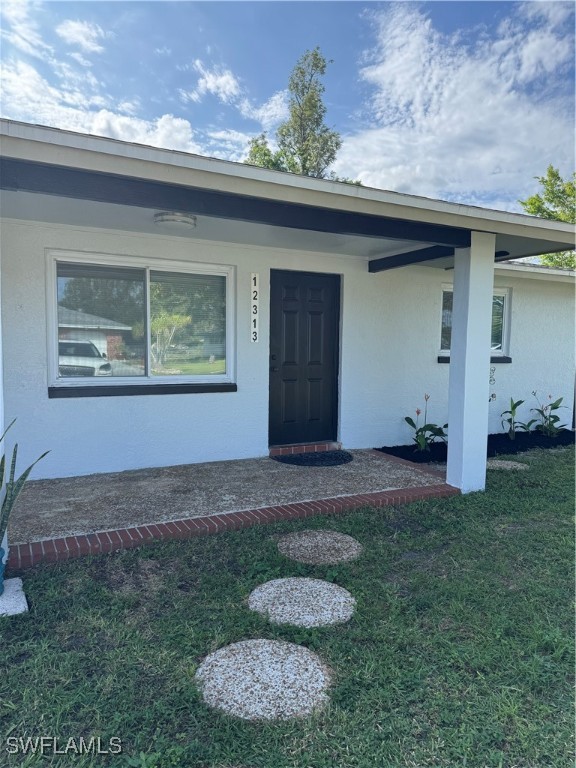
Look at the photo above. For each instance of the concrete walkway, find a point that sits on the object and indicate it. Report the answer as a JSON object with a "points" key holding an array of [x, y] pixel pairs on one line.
{"points": [[215, 496]]}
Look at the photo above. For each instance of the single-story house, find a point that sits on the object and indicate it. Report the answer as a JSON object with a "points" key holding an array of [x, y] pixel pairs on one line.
{"points": [[263, 308]]}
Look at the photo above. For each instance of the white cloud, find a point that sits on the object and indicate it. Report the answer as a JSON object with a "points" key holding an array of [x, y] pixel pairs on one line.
{"points": [[464, 123], [21, 30], [217, 81], [223, 84], [269, 114], [82, 34], [228, 144], [80, 59], [164, 51], [167, 131], [71, 97], [554, 13], [27, 96], [188, 96], [130, 106]]}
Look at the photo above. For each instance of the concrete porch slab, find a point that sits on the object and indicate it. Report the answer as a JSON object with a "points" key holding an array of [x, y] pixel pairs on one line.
{"points": [[63, 518]]}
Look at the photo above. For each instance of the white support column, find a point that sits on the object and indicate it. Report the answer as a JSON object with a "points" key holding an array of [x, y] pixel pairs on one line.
{"points": [[4, 542], [1, 359], [470, 363]]}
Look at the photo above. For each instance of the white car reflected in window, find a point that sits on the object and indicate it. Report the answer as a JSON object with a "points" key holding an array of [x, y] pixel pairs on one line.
{"points": [[81, 358]]}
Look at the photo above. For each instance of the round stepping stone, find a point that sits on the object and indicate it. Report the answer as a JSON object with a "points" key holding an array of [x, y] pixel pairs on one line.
{"points": [[319, 547], [264, 680], [302, 602], [503, 464]]}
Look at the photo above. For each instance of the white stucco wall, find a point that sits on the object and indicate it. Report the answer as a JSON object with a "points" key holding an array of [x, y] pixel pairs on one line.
{"points": [[389, 346]]}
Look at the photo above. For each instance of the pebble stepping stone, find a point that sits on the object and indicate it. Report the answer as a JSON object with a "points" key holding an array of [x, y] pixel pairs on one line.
{"points": [[503, 464], [13, 600], [303, 602], [264, 680], [321, 547]]}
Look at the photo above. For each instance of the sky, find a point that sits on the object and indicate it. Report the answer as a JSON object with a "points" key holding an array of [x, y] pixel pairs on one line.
{"points": [[460, 101]]}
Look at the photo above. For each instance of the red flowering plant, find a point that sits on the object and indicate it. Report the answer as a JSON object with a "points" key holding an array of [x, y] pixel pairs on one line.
{"points": [[427, 434]]}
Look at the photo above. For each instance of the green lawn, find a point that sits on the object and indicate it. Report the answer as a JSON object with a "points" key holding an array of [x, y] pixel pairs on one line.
{"points": [[196, 368], [460, 652]]}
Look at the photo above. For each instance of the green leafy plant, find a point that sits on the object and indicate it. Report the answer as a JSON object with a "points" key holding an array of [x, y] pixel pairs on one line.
{"points": [[12, 487], [548, 419], [427, 434], [513, 425]]}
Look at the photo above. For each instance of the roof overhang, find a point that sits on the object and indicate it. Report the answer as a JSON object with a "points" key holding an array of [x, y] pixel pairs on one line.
{"points": [[387, 229], [535, 272]]}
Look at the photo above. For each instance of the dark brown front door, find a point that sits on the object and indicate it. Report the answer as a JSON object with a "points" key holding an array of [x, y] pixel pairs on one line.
{"points": [[304, 341]]}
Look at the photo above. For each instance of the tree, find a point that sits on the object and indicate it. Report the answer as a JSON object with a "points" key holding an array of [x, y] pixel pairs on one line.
{"points": [[163, 326], [116, 299], [260, 154], [305, 143], [187, 310], [557, 201]]}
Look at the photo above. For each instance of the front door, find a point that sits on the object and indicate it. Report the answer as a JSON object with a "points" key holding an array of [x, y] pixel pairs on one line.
{"points": [[304, 342]]}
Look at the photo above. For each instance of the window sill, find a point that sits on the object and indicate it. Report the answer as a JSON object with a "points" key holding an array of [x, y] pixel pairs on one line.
{"points": [[493, 359], [125, 390]]}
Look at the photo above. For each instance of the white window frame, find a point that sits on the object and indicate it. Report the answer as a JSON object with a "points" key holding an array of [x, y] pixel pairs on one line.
{"points": [[506, 293], [55, 257]]}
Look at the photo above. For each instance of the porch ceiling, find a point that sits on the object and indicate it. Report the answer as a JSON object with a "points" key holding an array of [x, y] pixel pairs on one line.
{"points": [[388, 235], [126, 218]]}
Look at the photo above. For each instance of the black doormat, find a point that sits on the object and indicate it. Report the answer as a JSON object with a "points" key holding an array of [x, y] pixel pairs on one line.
{"points": [[319, 459]]}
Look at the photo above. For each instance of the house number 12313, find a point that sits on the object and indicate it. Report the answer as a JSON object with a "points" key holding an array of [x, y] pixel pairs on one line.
{"points": [[254, 306]]}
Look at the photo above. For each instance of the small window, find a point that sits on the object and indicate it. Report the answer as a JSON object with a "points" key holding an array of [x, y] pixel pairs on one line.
{"points": [[498, 342], [138, 324]]}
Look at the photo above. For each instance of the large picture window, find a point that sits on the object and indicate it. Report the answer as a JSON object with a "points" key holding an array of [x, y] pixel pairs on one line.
{"points": [[139, 323], [498, 341]]}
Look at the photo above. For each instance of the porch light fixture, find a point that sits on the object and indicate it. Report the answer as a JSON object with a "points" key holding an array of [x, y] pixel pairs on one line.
{"points": [[176, 219]]}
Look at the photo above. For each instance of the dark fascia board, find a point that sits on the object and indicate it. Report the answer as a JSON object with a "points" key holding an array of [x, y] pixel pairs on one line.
{"points": [[82, 184], [412, 257], [415, 257]]}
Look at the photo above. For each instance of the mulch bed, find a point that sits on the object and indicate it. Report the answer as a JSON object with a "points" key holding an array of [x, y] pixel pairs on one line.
{"points": [[497, 445]]}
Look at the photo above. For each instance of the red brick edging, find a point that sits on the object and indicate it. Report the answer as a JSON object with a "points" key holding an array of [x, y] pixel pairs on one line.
{"points": [[66, 548], [288, 450]]}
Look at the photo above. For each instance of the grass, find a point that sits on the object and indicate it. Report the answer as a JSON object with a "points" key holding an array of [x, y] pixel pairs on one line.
{"points": [[460, 652], [197, 368]]}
